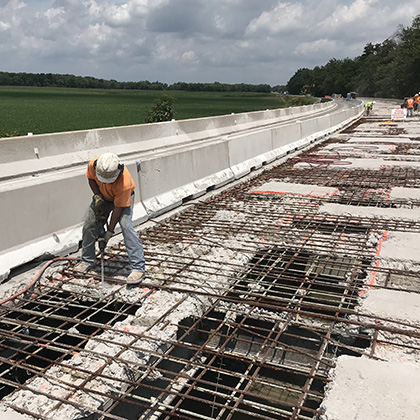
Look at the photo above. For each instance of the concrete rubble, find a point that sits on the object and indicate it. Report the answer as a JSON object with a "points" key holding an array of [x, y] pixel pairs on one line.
{"points": [[384, 383]]}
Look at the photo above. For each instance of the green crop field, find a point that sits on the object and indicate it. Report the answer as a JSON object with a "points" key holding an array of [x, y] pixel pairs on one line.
{"points": [[48, 110]]}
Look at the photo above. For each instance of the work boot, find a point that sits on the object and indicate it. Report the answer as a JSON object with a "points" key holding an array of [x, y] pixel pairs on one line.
{"points": [[82, 267], [135, 277]]}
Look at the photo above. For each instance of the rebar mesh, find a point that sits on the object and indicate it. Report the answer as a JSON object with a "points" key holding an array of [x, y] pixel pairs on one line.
{"points": [[249, 299]]}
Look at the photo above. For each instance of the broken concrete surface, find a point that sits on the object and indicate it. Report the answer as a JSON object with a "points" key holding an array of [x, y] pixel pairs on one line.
{"points": [[393, 304], [369, 389], [401, 246], [222, 243]]}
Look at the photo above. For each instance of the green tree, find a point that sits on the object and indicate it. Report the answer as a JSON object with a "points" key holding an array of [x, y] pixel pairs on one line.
{"points": [[301, 78], [388, 69], [408, 58], [161, 110]]}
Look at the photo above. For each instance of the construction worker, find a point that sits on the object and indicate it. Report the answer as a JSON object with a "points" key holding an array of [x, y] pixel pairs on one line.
{"points": [[113, 193], [416, 102], [410, 106], [369, 107]]}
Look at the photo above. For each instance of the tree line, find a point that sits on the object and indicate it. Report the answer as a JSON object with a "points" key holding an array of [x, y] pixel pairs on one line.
{"points": [[386, 70], [87, 82]]}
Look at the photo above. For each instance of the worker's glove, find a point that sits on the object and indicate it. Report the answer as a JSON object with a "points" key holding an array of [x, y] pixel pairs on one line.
{"points": [[100, 204], [103, 241]]}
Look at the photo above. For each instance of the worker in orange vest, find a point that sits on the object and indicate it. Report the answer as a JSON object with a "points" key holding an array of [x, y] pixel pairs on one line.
{"points": [[113, 195], [416, 102], [410, 106]]}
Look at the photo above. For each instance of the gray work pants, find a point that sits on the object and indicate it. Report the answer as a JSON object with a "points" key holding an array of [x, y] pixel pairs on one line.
{"points": [[93, 228]]}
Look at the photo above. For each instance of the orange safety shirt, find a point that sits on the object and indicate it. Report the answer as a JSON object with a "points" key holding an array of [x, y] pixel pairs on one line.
{"points": [[410, 103], [119, 192]]}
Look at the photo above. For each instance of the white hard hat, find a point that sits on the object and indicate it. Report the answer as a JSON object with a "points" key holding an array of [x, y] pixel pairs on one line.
{"points": [[108, 168]]}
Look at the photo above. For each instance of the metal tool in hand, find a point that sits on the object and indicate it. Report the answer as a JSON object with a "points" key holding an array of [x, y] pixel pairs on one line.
{"points": [[102, 245]]}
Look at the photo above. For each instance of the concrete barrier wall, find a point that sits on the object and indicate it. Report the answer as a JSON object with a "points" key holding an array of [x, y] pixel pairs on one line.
{"points": [[166, 179], [171, 162], [29, 154]]}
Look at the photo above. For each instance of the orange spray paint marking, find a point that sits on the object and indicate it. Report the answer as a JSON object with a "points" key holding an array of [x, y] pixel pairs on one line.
{"points": [[304, 240], [284, 221], [268, 192], [320, 194], [372, 280], [385, 235], [366, 193], [374, 274]]}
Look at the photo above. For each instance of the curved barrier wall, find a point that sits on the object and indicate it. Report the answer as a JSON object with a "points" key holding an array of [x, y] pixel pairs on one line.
{"points": [[44, 192]]}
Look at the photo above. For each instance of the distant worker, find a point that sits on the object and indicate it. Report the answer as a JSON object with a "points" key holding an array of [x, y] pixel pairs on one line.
{"points": [[113, 193], [369, 107], [416, 102], [410, 106]]}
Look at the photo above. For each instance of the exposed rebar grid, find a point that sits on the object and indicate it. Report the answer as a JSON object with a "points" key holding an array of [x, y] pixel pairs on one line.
{"points": [[248, 300]]}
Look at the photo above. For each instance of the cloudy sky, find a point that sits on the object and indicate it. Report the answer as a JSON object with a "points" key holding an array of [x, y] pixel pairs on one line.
{"points": [[229, 41]]}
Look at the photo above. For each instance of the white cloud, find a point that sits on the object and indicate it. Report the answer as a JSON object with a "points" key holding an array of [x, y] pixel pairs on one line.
{"points": [[189, 56], [229, 41], [355, 13], [54, 12], [118, 14], [94, 38], [4, 26], [11, 12], [14, 4], [54, 16], [220, 23], [314, 47], [93, 8], [283, 17]]}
